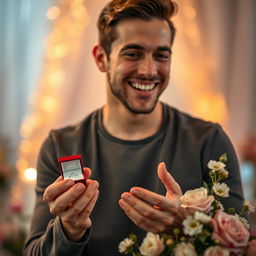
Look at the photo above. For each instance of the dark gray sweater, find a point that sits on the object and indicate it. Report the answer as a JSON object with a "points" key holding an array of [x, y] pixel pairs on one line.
{"points": [[184, 143]]}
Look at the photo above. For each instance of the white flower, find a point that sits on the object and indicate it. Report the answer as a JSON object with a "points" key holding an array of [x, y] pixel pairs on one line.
{"points": [[248, 206], [152, 245], [199, 216], [184, 249], [215, 165], [125, 244], [221, 190], [243, 220], [223, 173], [191, 226]]}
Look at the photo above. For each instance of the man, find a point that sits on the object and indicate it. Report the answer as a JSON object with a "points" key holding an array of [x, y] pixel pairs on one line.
{"points": [[128, 145]]}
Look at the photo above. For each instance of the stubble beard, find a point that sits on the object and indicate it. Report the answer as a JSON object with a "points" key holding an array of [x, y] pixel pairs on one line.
{"points": [[124, 101]]}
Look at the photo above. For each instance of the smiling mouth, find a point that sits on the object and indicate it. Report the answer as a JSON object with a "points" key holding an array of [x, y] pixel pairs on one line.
{"points": [[143, 87]]}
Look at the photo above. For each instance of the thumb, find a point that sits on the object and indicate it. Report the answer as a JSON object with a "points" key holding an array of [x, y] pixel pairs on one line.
{"points": [[172, 187], [87, 172]]}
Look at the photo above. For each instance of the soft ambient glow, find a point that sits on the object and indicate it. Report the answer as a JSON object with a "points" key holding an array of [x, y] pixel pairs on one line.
{"points": [[70, 18], [30, 174], [190, 12], [53, 13]]}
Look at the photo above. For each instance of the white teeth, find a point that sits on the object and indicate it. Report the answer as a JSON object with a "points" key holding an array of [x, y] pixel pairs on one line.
{"points": [[143, 87]]}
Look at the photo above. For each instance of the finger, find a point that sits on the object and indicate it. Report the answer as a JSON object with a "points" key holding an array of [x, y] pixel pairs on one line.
{"points": [[83, 221], [149, 211], [57, 188], [58, 179], [89, 208], [142, 222], [63, 201], [155, 199], [82, 203], [170, 184], [87, 172]]}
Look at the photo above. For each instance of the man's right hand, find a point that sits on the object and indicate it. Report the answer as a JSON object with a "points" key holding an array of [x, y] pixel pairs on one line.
{"points": [[73, 203]]}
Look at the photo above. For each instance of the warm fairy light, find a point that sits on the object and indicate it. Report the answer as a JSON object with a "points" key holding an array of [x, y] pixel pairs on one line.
{"points": [[211, 107], [26, 146], [49, 104], [78, 12], [22, 164], [30, 174], [70, 19], [190, 12], [53, 13], [55, 78], [193, 34], [60, 51], [26, 128]]}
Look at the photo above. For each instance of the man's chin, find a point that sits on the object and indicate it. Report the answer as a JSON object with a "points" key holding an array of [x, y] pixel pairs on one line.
{"points": [[140, 110]]}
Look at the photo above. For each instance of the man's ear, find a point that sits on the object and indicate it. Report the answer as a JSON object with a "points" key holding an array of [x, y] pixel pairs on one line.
{"points": [[100, 57]]}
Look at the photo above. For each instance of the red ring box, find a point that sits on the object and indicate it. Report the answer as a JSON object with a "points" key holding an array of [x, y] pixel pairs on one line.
{"points": [[71, 167]]}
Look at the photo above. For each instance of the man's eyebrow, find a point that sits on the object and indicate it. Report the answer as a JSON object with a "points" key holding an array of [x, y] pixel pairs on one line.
{"points": [[164, 49], [132, 46], [139, 47]]}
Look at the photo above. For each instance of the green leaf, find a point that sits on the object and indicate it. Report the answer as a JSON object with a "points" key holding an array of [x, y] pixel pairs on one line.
{"points": [[133, 238], [176, 231], [223, 158], [205, 185], [231, 210]]}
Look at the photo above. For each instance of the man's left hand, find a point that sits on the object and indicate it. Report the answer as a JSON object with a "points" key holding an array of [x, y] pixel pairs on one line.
{"points": [[153, 212]]}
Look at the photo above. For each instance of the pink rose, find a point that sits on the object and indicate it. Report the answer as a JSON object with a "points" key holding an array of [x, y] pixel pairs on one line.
{"points": [[229, 231], [216, 251], [197, 200], [251, 248]]}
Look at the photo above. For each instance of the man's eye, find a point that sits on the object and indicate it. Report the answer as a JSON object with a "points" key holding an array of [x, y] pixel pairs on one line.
{"points": [[162, 56], [132, 55]]}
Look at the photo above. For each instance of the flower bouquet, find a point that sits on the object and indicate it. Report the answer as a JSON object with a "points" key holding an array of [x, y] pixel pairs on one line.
{"points": [[207, 230]]}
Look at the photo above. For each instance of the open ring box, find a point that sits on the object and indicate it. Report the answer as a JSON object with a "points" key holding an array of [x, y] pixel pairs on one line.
{"points": [[71, 167]]}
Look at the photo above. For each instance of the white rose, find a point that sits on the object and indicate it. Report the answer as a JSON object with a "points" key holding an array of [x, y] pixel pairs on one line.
{"points": [[185, 249], [216, 251], [197, 200], [152, 245]]}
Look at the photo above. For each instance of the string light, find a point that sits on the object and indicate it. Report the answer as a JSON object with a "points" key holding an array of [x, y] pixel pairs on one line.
{"points": [[30, 174], [69, 18], [189, 12], [53, 13]]}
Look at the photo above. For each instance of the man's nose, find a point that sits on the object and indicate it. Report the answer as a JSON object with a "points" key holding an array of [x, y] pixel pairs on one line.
{"points": [[148, 67]]}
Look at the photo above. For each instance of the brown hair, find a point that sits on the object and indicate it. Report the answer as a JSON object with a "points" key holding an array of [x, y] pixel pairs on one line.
{"points": [[117, 10]]}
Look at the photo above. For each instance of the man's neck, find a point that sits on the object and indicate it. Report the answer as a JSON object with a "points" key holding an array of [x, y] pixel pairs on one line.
{"points": [[123, 124]]}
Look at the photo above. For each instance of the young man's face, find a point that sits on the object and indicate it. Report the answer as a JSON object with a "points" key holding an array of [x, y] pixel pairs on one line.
{"points": [[139, 63]]}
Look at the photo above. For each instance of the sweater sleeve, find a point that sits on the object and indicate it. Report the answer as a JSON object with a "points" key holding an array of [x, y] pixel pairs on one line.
{"points": [[46, 236], [217, 144]]}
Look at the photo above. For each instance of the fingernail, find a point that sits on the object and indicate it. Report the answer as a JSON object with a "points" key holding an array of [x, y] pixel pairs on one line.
{"points": [[46, 198], [69, 183], [135, 191], [80, 187], [126, 196], [94, 185]]}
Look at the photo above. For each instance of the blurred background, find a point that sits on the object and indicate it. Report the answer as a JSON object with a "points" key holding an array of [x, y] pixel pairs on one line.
{"points": [[48, 79]]}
